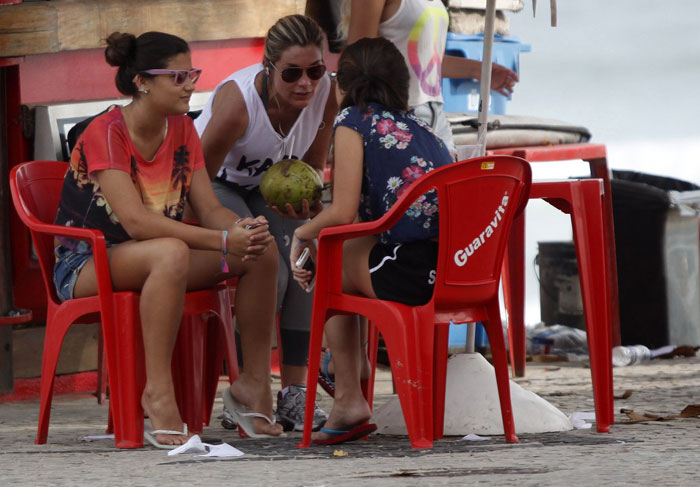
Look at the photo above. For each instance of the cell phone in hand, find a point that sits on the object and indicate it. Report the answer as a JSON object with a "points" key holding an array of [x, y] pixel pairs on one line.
{"points": [[306, 262]]}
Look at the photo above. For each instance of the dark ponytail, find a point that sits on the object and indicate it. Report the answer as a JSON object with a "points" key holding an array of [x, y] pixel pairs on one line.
{"points": [[133, 55], [372, 70]]}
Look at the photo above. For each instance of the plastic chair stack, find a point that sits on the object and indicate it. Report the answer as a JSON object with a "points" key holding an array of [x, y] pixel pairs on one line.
{"points": [[478, 200], [36, 188]]}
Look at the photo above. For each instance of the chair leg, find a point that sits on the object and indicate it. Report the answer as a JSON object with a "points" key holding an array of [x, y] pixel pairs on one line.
{"points": [[589, 232], [514, 295], [410, 349], [215, 351], [318, 322], [500, 363], [125, 366], [372, 346], [101, 369], [441, 345], [53, 339], [188, 371]]}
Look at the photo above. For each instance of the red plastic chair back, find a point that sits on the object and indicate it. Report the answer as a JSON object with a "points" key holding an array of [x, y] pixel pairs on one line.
{"points": [[38, 188], [480, 200]]}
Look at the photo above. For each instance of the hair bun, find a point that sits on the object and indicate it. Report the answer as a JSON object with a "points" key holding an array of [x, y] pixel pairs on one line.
{"points": [[120, 49]]}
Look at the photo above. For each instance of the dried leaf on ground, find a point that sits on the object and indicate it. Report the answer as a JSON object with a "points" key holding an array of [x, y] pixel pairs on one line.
{"points": [[639, 417], [624, 395], [691, 411]]}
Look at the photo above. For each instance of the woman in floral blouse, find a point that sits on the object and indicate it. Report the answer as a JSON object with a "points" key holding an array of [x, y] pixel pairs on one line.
{"points": [[380, 149]]}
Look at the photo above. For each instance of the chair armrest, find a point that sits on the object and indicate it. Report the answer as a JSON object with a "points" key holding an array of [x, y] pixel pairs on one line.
{"points": [[96, 239]]}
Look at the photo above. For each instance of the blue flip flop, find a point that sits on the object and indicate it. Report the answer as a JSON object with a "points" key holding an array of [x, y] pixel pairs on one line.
{"points": [[326, 380], [343, 436]]}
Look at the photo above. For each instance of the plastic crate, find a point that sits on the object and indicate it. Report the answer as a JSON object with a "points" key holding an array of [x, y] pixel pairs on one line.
{"points": [[462, 95]]}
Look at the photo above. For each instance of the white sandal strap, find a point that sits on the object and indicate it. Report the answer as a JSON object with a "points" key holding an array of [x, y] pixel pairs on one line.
{"points": [[171, 432], [259, 415]]}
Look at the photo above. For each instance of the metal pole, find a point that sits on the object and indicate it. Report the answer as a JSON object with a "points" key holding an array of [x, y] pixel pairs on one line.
{"points": [[485, 92], [484, 97]]}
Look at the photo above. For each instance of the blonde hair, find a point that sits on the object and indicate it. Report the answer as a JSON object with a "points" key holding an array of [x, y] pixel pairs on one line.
{"points": [[292, 30]]}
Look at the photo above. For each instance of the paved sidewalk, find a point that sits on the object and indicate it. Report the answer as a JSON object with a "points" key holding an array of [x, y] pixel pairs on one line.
{"points": [[649, 453]]}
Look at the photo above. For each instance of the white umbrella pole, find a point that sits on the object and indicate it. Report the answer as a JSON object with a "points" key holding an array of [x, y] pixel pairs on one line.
{"points": [[485, 93], [484, 99]]}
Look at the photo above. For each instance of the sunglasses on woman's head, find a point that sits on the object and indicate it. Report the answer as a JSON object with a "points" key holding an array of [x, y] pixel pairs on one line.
{"points": [[293, 73], [180, 76]]}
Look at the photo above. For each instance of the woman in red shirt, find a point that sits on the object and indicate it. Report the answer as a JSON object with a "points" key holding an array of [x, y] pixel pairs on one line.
{"points": [[130, 175]]}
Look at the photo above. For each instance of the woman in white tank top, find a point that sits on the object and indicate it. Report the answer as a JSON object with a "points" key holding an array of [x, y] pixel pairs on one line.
{"points": [[280, 108]]}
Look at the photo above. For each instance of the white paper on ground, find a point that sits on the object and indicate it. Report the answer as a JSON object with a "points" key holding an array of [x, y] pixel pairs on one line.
{"points": [[195, 445], [473, 437], [579, 419]]}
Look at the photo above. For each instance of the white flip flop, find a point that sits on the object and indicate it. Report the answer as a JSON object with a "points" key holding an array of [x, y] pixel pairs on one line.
{"points": [[150, 436], [243, 417]]}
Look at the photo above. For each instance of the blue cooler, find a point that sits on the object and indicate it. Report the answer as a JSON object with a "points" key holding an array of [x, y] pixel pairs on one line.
{"points": [[462, 95]]}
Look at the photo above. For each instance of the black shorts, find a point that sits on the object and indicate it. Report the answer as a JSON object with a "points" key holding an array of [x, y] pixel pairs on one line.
{"points": [[405, 272]]}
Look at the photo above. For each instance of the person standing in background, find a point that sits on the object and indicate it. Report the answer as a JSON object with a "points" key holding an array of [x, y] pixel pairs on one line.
{"points": [[418, 28]]}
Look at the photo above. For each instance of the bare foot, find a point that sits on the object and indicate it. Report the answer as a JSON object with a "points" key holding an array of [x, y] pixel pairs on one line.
{"points": [[346, 414], [160, 406], [257, 397]]}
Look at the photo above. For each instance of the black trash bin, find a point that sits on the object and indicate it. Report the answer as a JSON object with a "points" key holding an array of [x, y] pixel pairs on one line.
{"points": [[640, 205]]}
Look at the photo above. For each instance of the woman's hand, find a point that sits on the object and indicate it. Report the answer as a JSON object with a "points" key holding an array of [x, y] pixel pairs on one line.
{"points": [[503, 79], [302, 276], [249, 238], [305, 213]]}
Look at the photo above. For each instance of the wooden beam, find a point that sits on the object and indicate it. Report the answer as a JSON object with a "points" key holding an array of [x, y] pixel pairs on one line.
{"points": [[66, 25]]}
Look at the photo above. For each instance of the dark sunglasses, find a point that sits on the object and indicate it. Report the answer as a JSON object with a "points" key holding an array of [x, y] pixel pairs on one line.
{"points": [[293, 73], [180, 76]]}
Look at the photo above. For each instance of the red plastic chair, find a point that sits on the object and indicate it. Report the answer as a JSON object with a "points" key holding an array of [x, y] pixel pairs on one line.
{"points": [[36, 188], [478, 201]]}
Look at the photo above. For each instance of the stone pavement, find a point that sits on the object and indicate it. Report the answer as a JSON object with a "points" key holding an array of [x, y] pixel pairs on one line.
{"points": [[648, 453]]}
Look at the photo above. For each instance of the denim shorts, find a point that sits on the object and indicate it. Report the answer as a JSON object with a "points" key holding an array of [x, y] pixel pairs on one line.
{"points": [[66, 270]]}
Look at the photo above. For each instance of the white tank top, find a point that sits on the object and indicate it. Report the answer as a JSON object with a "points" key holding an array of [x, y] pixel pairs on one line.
{"points": [[419, 30], [261, 146]]}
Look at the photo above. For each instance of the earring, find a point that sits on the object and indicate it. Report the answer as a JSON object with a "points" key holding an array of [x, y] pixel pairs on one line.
{"points": [[267, 70], [144, 91]]}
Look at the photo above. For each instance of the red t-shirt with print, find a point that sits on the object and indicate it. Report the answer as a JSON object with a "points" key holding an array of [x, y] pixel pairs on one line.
{"points": [[162, 182]]}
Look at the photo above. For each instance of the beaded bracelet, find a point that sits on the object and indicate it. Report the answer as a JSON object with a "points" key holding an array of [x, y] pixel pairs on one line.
{"points": [[224, 251]]}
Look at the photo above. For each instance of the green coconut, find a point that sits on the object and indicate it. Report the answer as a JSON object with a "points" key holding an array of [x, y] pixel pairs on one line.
{"points": [[291, 181]]}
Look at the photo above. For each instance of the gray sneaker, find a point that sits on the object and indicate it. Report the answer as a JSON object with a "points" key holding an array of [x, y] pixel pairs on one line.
{"points": [[290, 410]]}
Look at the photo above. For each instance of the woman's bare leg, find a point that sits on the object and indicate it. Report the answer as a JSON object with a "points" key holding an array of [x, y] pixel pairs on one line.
{"points": [[158, 270], [343, 335], [255, 312]]}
